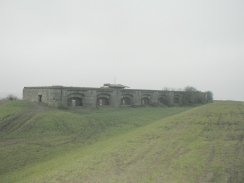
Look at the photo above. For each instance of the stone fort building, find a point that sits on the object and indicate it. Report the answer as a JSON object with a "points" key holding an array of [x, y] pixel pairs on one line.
{"points": [[114, 95]]}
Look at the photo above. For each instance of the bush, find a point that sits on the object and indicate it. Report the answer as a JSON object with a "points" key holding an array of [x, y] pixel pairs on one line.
{"points": [[11, 97], [8, 98], [192, 96], [210, 96], [190, 89]]}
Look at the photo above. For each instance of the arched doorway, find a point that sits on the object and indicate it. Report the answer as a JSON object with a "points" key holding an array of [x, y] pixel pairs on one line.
{"points": [[102, 101], [125, 101], [145, 101], [75, 101]]}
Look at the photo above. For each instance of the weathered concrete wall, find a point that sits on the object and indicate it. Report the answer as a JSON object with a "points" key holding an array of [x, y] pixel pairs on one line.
{"points": [[34, 94], [56, 96]]}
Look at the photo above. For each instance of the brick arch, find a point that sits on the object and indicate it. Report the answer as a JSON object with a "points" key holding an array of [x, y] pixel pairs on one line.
{"points": [[75, 99], [103, 99], [78, 95], [126, 99], [127, 95], [145, 100], [146, 95]]}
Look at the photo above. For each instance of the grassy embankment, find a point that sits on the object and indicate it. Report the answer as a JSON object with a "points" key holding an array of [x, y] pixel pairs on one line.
{"points": [[203, 144]]}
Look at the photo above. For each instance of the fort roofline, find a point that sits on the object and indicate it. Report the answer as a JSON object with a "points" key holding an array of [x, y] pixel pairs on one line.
{"points": [[112, 95]]}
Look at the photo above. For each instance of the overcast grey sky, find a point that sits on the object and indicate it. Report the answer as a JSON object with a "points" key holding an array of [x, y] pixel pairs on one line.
{"points": [[144, 44]]}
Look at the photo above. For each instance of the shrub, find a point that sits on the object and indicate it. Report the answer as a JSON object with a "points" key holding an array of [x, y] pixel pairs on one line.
{"points": [[11, 97], [8, 98], [210, 96]]}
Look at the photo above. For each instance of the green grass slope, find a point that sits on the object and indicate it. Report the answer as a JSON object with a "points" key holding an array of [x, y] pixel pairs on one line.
{"points": [[202, 144], [32, 133]]}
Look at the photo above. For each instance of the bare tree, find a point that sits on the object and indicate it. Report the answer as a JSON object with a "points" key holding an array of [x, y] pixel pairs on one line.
{"points": [[190, 89], [11, 97], [8, 98]]}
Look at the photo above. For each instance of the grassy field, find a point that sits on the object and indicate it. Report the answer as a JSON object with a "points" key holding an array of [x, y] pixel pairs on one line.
{"points": [[201, 144]]}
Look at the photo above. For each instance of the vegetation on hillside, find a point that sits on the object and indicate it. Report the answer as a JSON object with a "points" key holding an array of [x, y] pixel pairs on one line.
{"points": [[201, 144], [33, 133], [8, 98], [192, 96]]}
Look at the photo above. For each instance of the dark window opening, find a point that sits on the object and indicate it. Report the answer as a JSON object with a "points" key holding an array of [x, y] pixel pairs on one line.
{"points": [[125, 101], [102, 101], [39, 98], [75, 101], [145, 101]]}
